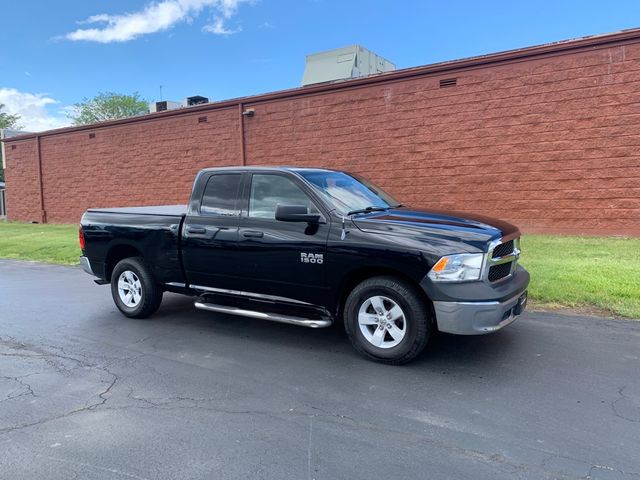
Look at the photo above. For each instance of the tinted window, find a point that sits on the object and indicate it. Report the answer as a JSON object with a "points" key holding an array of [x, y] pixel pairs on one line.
{"points": [[267, 191], [221, 195]]}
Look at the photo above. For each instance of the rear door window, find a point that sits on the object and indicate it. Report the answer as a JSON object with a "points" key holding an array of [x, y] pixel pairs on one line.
{"points": [[221, 195]]}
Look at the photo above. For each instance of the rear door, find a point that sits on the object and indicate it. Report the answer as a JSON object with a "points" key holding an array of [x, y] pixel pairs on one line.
{"points": [[210, 232], [281, 259]]}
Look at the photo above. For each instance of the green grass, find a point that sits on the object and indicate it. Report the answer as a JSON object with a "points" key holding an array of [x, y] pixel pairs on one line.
{"points": [[44, 243], [566, 271], [570, 271]]}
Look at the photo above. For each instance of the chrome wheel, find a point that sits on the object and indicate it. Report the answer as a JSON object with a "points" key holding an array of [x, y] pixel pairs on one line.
{"points": [[129, 289], [382, 322]]}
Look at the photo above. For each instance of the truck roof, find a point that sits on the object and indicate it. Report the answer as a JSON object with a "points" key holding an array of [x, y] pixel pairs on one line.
{"points": [[269, 169]]}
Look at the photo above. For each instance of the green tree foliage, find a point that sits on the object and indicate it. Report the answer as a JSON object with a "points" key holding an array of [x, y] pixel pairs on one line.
{"points": [[108, 106], [6, 121]]}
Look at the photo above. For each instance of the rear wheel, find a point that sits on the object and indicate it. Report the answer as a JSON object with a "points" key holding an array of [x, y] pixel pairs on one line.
{"points": [[133, 288], [387, 320]]}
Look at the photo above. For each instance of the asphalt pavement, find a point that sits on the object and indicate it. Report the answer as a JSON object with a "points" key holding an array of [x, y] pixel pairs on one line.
{"points": [[86, 393]]}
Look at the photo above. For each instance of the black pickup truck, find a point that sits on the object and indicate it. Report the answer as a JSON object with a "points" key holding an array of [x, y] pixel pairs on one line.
{"points": [[311, 247]]}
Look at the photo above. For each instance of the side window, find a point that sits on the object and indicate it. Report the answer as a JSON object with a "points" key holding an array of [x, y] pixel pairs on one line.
{"points": [[221, 195], [267, 191]]}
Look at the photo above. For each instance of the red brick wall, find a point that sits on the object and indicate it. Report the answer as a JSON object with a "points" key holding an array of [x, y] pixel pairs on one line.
{"points": [[551, 144], [23, 203]]}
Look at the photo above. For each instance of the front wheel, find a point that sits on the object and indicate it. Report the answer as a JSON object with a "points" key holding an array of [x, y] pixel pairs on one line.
{"points": [[387, 320], [133, 288]]}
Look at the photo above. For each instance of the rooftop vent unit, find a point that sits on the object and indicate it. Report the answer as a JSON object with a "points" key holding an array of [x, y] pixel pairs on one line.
{"points": [[195, 100], [7, 133], [342, 64], [163, 105]]}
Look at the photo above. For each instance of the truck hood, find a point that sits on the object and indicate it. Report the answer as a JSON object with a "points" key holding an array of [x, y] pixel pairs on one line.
{"points": [[443, 227]]}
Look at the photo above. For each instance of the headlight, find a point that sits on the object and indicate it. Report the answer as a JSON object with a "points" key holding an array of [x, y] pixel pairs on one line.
{"points": [[463, 267]]}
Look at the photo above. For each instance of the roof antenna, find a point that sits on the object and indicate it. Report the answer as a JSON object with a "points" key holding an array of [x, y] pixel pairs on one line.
{"points": [[160, 92]]}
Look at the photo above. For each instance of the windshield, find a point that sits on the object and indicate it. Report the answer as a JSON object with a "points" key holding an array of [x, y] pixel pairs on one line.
{"points": [[348, 193]]}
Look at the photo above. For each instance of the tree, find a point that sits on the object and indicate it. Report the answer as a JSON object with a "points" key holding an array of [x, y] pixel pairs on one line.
{"points": [[6, 121], [108, 106]]}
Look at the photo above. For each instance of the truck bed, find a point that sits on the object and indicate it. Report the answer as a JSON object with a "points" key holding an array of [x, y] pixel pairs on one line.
{"points": [[163, 210], [152, 232]]}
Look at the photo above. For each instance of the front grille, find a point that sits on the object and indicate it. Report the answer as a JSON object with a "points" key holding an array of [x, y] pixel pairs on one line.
{"points": [[496, 272], [503, 249], [502, 259]]}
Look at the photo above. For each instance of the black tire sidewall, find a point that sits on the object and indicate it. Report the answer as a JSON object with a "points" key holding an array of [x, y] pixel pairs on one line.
{"points": [[411, 307], [151, 293]]}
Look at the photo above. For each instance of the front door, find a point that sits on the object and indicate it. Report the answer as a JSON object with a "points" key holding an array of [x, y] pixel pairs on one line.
{"points": [[281, 259]]}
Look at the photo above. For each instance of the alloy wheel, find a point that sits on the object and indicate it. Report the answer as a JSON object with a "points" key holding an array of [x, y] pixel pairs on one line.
{"points": [[382, 322]]}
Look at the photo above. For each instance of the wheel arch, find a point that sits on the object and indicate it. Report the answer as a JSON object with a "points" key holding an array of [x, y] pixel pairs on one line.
{"points": [[359, 275], [116, 253]]}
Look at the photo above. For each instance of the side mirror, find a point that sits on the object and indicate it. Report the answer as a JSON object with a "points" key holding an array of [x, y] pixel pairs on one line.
{"points": [[296, 213]]}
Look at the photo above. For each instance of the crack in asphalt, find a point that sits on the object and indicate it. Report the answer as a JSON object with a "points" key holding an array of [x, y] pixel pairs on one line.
{"points": [[28, 391], [607, 468], [615, 410], [41, 354], [86, 408], [102, 395], [591, 467]]}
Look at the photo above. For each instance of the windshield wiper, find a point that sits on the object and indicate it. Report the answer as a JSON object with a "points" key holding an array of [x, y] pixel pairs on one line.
{"points": [[367, 210]]}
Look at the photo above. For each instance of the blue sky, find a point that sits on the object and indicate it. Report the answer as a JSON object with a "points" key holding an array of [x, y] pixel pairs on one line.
{"points": [[55, 53]]}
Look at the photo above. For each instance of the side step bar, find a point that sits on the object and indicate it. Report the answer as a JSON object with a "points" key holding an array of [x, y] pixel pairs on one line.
{"points": [[274, 317]]}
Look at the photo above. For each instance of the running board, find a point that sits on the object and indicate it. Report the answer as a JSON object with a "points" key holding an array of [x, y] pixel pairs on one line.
{"points": [[273, 317]]}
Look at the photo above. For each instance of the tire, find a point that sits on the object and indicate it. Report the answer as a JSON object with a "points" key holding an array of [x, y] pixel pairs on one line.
{"points": [[394, 346], [145, 295]]}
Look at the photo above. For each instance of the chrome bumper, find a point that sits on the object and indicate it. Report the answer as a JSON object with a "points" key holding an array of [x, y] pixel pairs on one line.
{"points": [[86, 265], [477, 318]]}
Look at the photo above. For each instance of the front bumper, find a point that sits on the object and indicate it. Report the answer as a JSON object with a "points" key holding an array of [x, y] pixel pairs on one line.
{"points": [[476, 318], [86, 265], [475, 308]]}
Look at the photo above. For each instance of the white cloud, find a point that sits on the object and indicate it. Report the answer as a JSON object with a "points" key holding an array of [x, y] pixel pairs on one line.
{"points": [[218, 28], [155, 17], [34, 110]]}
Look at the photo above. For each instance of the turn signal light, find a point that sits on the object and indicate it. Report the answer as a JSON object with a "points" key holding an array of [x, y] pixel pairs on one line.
{"points": [[440, 265]]}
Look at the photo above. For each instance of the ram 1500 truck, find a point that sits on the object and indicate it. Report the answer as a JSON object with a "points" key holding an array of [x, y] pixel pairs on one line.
{"points": [[311, 247]]}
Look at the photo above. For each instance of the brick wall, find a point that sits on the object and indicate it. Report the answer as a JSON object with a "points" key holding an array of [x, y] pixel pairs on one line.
{"points": [[551, 143], [21, 163]]}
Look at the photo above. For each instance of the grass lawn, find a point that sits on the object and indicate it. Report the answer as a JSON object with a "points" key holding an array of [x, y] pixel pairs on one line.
{"points": [[570, 271], [45, 243], [566, 271]]}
